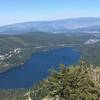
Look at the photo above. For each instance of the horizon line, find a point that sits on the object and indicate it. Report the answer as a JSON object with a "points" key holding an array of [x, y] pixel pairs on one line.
{"points": [[58, 19]]}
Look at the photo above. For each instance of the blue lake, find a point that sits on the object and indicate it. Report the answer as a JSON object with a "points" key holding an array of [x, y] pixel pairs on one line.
{"points": [[36, 68]]}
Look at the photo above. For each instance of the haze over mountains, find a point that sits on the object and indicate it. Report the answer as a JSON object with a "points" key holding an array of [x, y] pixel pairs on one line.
{"points": [[83, 24]]}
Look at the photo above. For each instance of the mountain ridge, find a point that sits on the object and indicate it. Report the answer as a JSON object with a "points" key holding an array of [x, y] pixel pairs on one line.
{"points": [[53, 26]]}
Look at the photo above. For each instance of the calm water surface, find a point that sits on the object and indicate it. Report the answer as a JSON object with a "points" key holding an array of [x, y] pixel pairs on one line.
{"points": [[36, 68]]}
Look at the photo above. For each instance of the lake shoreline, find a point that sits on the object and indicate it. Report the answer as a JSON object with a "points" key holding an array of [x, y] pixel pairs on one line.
{"points": [[16, 66], [22, 72]]}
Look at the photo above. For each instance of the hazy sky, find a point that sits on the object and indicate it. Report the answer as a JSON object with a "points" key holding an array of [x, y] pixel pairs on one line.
{"points": [[12, 11]]}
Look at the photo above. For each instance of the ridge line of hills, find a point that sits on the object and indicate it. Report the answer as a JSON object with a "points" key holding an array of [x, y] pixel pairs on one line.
{"points": [[82, 24]]}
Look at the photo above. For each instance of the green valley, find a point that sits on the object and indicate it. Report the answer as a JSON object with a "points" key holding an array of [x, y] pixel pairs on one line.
{"points": [[29, 43]]}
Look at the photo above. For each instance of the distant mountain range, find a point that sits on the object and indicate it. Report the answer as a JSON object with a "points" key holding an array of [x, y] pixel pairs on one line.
{"points": [[84, 24]]}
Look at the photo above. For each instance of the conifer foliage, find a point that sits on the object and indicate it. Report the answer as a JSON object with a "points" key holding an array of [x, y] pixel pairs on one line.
{"points": [[77, 82]]}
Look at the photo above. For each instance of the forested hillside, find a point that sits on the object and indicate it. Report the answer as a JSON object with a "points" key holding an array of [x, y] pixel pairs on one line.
{"points": [[16, 49], [76, 82]]}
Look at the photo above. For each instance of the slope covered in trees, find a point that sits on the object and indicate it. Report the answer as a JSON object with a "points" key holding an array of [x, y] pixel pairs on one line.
{"points": [[76, 82], [30, 43]]}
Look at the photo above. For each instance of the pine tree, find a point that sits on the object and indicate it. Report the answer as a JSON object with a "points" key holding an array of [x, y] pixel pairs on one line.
{"points": [[73, 83], [76, 82]]}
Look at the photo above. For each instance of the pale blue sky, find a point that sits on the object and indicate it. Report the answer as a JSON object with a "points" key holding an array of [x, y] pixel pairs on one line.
{"points": [[12, 11]]}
